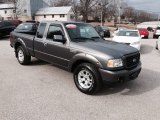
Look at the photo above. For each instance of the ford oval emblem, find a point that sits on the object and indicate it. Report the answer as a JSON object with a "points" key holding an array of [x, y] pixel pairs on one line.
{"points": [[134, 60]]}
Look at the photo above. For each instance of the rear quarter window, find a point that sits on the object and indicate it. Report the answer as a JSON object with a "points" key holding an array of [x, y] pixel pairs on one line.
{"points": [[25, 27]]}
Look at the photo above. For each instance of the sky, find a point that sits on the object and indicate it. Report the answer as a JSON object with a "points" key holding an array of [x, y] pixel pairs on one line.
{"points": [[148, 5]]}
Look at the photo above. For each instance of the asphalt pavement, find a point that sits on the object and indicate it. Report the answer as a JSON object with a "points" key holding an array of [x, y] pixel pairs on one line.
{"points": [[41, 91]]}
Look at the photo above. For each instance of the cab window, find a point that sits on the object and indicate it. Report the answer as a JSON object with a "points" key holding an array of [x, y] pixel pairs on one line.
{"points": [[41, 30], [54, 30]]}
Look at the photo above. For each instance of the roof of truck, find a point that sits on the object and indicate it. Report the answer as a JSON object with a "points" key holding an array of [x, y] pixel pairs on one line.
{"points": [[47, 21]]}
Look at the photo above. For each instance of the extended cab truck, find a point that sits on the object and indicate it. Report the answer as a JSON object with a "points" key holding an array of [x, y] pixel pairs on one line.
{"points": [[78, 48]]}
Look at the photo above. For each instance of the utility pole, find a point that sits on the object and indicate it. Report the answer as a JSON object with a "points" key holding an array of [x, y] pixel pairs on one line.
{"points": [[119, 10], [102, 8], [15, 8], [102, 17]]}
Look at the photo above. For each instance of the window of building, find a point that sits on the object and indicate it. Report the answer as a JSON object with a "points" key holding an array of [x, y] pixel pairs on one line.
{"points": [[14, 11], [5, 12], [25, 11], [72, 17], [62, 15], [44, 16], [52, 16]]}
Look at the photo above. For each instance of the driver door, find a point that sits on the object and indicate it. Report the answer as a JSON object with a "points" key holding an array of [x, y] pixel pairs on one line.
{"points": [[57, 52]]}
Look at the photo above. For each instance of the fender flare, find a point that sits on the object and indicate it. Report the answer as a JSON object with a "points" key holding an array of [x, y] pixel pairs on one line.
{"points": [[86, 58], [20, 41]]}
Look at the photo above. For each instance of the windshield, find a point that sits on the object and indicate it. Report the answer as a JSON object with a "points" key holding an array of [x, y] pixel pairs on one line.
{"points": [[24, 27], [81, 32], [128, 33]]}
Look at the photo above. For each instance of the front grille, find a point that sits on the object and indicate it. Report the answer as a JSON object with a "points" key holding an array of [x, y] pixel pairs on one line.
{"points": [[132, 61]]}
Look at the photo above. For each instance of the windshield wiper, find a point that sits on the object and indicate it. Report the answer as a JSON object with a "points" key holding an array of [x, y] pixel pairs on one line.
{"points": [[95, 37]]}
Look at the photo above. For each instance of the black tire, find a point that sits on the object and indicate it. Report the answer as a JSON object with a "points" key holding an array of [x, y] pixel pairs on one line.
{"points": [[94, 75], [146, 37], [26, 59], [156, 45], [155, 36], [109, 36]]}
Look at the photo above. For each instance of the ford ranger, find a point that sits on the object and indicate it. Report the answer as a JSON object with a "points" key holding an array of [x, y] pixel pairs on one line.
{"points": [[77, 47]]}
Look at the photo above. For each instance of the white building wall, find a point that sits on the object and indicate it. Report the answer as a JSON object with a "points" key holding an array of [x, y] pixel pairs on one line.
{"points": [[148, 24], [27, 8], [8, 15], [56, 17]]}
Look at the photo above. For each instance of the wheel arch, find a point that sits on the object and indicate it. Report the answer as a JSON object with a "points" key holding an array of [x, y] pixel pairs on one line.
{"points": [[20, 42], [83, 58]]}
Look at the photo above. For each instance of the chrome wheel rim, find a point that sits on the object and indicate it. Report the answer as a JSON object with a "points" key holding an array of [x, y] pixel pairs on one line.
{"points": [[20, 56], [85, 79]]}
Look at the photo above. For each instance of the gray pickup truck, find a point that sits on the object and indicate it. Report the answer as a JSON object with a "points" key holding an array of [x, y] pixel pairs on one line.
{"points": [[77, 47]]}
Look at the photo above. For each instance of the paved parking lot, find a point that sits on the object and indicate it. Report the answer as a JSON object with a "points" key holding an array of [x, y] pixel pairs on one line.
{"points": [[41, 91]]}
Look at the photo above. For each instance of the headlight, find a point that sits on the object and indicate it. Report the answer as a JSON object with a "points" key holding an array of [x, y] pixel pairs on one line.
{"points": [[135, 43], [114, 63]]}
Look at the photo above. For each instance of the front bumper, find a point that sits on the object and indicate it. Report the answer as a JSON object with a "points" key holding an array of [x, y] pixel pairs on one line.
{"points": [[118, 76]]}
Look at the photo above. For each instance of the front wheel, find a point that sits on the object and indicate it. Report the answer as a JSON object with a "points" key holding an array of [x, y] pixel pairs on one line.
{"points": [[22, 57], [87, 78]]}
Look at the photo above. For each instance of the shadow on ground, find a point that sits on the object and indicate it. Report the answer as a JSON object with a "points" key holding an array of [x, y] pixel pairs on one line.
{"points": [[4, 38], [37, 62], [147, 81], [146, 49]]}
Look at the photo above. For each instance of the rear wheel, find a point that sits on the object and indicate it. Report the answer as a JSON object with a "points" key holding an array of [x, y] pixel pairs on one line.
{"points": [[157, 45], [87, 78], [22, 57]]}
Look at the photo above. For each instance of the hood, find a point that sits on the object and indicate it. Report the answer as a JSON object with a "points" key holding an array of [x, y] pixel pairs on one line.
{"points": [[125, 39], [104, 48]]}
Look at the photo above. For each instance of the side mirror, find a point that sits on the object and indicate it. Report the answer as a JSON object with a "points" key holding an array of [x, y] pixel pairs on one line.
{"points": [[59, 38], [142, 36]]}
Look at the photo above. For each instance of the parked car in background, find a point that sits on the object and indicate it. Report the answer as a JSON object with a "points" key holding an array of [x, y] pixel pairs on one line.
{"points": [[99, 30], [144, 32], [15, 22], [118, 29], [6, 27], [150, 29], [156, 33], [129, 37], [106, 31]]}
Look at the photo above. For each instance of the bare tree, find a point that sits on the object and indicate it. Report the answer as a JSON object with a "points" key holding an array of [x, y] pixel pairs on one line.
{"points": [[61, 3], [75, 8], [85, 7], [129, 12]]}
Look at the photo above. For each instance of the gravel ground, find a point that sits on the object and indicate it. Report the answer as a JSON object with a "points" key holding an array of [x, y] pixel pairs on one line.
{"points": [[41, 91]]}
